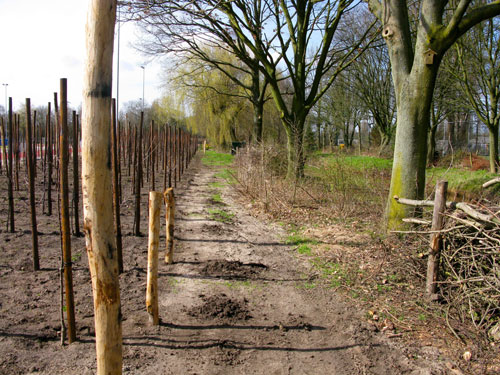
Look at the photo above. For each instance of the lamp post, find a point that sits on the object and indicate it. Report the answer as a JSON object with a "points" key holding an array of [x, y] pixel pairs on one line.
{"points": [[143, 67]]}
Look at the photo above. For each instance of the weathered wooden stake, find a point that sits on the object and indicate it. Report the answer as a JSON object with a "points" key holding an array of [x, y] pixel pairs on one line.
{"points": [[153, 245], [170, 146], [4, 148], [134, 164], [165, 148], [66, 234], [10, 173], [169, 199], [152, 156], [50, 161], [76, 177], [17, 140], [436, 238], [34, 144], [138, 180], [116, 192], [31, 178], [97, 195]]}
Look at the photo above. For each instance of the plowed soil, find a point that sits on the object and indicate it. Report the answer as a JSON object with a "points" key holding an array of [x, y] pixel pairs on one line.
{"points": [[235, 301]]}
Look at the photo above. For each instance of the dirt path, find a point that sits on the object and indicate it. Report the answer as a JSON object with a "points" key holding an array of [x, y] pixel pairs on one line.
{"points": [[236, 301]]}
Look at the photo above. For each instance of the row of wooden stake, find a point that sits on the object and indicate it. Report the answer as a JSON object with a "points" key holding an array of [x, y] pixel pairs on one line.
{"points": [[168, 148]]}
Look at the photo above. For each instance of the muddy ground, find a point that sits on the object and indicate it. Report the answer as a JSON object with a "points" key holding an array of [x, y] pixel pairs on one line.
{"points": [[236, 300]]}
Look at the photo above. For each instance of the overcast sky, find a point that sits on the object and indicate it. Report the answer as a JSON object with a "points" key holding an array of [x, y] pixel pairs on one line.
{"points": [[43, 41]]}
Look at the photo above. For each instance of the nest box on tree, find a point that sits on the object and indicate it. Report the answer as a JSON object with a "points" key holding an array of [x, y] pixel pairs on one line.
{"points": [[429, 56]]}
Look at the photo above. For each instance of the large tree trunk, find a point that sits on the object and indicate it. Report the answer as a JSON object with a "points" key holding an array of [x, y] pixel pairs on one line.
{"points": [[385, 140], [413, 95], [295, 149], [494, 166], [258, 107], [97, 193]]}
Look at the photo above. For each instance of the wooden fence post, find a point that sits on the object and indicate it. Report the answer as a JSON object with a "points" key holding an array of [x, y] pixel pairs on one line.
{"points": [[170, 206], [31, 178], [435, 246], [153, 244], [97, 195], [66, 237]]}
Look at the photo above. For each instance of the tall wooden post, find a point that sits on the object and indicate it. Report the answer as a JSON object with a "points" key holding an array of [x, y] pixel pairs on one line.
{"points": [[138, 180], [119, 136], [165, 147], [176, 159], [97, 195], [436, 238], [50, 161], [57, 130], [169, 199], [17, 141], [76, 177], [152, 156], [153, 245], [31, 178], [116, 192], [134, 164], [34, 144], [4, 148], [65, 230], [170, 145], [10, 173]]}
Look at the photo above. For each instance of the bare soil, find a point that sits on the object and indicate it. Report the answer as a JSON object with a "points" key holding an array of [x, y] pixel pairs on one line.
{"points": [[235, 301]]}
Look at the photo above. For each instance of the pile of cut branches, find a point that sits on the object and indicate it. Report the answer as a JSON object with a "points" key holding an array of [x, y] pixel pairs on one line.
{"points": [[469, 276], [470, 266]]}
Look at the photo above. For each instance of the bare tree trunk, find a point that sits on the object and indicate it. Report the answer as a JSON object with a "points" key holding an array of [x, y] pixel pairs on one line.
{"points": [[97, 194]]}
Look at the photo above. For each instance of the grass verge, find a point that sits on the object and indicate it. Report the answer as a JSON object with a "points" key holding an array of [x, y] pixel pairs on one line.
{"points": [[219, 159]]}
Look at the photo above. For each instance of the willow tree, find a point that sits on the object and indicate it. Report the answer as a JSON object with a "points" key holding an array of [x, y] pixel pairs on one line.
{"points": [[415, 61], [96, 185], [217, 103]]}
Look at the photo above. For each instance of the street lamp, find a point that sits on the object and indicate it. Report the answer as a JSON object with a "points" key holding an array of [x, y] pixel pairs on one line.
{"points": [[143, 80]]}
